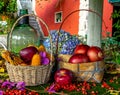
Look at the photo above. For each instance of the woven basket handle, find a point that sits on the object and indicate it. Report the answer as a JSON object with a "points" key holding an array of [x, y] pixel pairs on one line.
{"points": [[41, 20], [36, 17], [70, 15], [3, 45]]}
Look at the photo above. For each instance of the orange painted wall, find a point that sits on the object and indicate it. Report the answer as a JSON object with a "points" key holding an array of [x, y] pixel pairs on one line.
{"points": [[46, 10], [107, 11]]}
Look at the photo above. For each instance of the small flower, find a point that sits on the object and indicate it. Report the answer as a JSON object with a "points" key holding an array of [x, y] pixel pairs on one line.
{"points": [[111, 80], [20, 85], [1, 92], [8, 84], [51, 89], [105, 85]]}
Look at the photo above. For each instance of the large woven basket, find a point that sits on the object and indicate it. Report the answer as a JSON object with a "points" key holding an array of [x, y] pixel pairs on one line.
{"points": [[91, 71], [31, 75]]}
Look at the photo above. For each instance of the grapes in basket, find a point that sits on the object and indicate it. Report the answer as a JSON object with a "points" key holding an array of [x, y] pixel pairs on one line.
{"points": [[30, 55], [66, 42]]}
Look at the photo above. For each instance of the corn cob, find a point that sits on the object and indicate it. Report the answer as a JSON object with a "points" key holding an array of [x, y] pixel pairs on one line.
{"points": [[11, 58]]}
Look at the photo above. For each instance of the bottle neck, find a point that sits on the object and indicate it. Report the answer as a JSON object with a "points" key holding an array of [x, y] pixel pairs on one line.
{"points": [[24, 20]]}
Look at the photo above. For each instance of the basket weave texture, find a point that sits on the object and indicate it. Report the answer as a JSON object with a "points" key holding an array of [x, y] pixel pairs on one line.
{"points": [[91, 71], [31, 75]]}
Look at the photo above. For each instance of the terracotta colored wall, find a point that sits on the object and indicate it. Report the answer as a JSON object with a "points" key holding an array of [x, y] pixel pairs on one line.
{"points": [[107, 10], [46, 10]]}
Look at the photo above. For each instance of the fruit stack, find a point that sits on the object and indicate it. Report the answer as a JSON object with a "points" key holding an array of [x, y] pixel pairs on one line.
{"points": [[33, 65], [86, 62]]}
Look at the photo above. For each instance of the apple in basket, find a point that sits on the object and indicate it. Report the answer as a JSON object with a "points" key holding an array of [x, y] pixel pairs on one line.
{"points": [[95, 53], [63, 76], [78, 58], [81, 49], [27, 53]]}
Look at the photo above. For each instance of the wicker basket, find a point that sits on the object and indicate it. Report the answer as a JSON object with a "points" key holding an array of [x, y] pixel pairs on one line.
{"points": [[31, 75], [91, 71]]}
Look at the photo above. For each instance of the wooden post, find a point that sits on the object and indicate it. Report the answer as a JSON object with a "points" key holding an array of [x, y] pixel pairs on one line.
{"points": [[93, 27], [95, 23]]}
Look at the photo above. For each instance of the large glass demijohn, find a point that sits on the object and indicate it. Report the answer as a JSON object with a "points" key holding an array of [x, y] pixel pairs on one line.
{"points": [[22, 35]]}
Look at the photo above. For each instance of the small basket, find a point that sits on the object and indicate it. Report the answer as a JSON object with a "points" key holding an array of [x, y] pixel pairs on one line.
{"points": [[90, 72], [31, 75]]}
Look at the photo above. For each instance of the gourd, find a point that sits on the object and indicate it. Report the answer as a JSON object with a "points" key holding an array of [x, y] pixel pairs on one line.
{"points": [[36, 60], [41, 48]]}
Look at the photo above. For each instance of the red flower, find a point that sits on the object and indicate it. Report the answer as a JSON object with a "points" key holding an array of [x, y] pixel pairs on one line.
{"points": [[105, 85]]}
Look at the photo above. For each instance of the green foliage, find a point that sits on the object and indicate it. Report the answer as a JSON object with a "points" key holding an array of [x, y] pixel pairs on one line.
{"points": [[116, 25], [12, 6], [111, 49], [111, 45], [8, 6], [116, 14], [6, 27], [1, 5]]}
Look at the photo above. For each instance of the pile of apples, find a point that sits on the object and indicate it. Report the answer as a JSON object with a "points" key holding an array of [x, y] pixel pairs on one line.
{"points": [[84, 53]]}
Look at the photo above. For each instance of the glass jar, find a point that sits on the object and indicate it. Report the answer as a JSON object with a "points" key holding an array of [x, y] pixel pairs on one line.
{"points": [[22, 35]]}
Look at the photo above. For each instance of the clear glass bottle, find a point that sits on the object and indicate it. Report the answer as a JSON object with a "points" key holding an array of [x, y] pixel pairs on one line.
{"points": [[23, 34]]}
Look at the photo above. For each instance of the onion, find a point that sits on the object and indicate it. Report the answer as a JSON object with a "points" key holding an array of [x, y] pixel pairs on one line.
{"points": [[43, 54], [45, 61], [95, 54], [27, 53]]}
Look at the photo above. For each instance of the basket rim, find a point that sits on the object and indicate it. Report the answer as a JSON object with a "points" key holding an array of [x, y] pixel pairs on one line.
{"points": [[29, 66]]}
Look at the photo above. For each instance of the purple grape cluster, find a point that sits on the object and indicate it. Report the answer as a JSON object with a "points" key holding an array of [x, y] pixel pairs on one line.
{"points": [[66, 42]]}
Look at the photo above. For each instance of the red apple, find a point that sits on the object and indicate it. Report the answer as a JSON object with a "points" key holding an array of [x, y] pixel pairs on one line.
{"points": [[79, 58], [63, 76], [81, 49], [95, 53]]}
